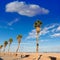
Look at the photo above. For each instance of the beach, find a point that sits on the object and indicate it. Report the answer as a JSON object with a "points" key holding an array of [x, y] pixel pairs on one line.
{"points": [[29, 56]]}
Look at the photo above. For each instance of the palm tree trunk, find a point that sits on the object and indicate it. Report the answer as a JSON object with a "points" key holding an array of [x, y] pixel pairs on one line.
{"points": [[0, 50], [18, 47], [4, 49], [0, 53], [37, 44], [9, 48]]}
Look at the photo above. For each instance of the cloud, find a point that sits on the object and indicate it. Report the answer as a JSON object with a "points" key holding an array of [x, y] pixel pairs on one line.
{"points": [[6, 27], [58, 28], [51, 29], [44, 31], [25, 9], [55, 31], [51, 26], [9, 24], [47, 29], [12, 22], [56, 35], [43, 40], [33, 33]]}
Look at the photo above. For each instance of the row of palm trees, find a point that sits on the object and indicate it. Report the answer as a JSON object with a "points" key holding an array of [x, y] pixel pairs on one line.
{"points": [[9, 42], [37, 26]]}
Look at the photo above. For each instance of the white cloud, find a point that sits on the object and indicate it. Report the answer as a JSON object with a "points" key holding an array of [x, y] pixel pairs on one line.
{"points": [[33, 33], [43, 40], [53, 30], [5, 27], [25, 9], [58, 28], [46, 30], [9, 24], [56, 35], [51, 26], [12, 22]]}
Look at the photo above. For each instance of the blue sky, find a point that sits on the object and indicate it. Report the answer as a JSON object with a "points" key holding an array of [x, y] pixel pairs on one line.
{"points": [[18, 17]]}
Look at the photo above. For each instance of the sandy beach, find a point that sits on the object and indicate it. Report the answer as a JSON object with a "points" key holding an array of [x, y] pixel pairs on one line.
{"points": [[29, 56]]}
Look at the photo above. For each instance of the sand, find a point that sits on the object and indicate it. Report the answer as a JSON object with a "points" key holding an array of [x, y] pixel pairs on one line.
{"points": [[29, 56]]}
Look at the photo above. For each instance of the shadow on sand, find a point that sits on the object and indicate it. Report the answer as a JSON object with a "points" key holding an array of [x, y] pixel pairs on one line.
{"points": [[39, 57], [27, 55], [1, 59], [52, 58], [22, 56]]}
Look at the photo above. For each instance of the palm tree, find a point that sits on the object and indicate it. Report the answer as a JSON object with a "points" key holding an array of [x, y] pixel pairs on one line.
{"points": [[37, 26], [19, 41], [1, 47], [10, 42], [5, 44]]}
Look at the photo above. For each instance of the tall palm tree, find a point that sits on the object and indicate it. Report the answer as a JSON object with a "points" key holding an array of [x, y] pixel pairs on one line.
{"points": [[37, 26], [10, 42], [1, 47], [5, 44], [19, 41]]}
